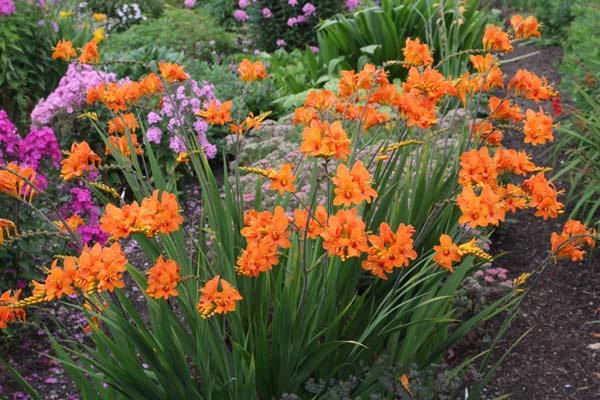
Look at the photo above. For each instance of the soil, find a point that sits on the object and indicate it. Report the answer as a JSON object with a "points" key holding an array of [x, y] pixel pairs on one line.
{"points": [[552, 362]]}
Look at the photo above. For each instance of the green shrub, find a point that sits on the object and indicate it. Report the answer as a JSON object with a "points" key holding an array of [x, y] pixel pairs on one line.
{"points": [[116, 10], [27, 71], [555, 15], [222, 10], [377, 34], [187, 31]]}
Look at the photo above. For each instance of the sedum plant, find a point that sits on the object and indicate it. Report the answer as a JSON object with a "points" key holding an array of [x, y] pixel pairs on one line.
{"points": [[246, 299]]}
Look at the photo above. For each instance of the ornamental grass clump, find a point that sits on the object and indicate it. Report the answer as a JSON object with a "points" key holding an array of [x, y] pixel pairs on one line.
{"points": [[246, 300]]}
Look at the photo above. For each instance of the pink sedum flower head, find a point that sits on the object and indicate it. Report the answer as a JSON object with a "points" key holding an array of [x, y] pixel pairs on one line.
{"points": [[267, 13], [309, 10], [240, 15], [244, 3]]}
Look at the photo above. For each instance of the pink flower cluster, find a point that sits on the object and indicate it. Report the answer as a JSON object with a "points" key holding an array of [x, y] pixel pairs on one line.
{"points": [[70, 94], [7, 7], [352, 4], [9, 138], [187, 99], [81, 203]]}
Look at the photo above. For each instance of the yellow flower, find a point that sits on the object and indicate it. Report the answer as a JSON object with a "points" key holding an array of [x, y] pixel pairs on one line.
{"points": [[65, 14], [99, 35], [99, 17]]}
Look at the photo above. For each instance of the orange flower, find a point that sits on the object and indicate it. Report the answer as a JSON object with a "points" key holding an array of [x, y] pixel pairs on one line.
{"points": [[501, 109], [99, 268], [172, 72], [389, 250], [352, 187], [267, 227], [58, 282], [116, 96], [416, 54], [351, 83], [150, 84], [385, 95], [487, 67], [495, 39], [418, 110], [543, 196], [217, 114], [476, 166], [81, 159], [571, 240], [64, 49], [484, 131], [429, 84], [537, 127], [123, 122], [446, 253], [513, 161], [251, 122], [525, 28], [345, 235], [317, 222], [121, 222], [513, 197], [89, 54], [214, 301], [163, 277], [483, 210], [531, 86], [252, 71], [324, 140], [257, 257], [5, 226], [8, 314], [99, 17], [282, 180], [16, 186], [121, 145], [305, 116], [321, 100], [72, 223]]}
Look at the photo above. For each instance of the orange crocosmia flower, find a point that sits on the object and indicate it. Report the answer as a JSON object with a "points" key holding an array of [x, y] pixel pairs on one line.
{"points": [[81, 159], [324, 140], [417, 110], [446, 253], [122, 123], [98, 267], [266, 227], [121, 145], [305, 116], [461, 87], [484, 131], [350, 82], [483, 210], [121, 222], [214, 301], [252, 71], [16, 186], [116, 96], [429, 84], [570, 242], [217, 114], [482, 64], [495, 39], [172, 72], [89, 54], [257, 257], [525, 28], [543, 196], [416, 54], [513, 197], [321, 100], [110, 275], [389, 250], [371, 117], [352, 186], [64, 50], [502, 109], [58, 282], [531, 86], [317, 222], [509, 160], [150, 84], [476, 166], [72, 223], [282, 180], [537, 127], [163, 277], [8, 314], [160, 215], [386, 94], [344, 235]]}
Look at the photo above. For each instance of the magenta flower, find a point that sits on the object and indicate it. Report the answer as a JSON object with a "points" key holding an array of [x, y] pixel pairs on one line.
{"points": [[154, 134], [352, 4], [189, 3], [314, 49], [240, 15], [309, 10], [280, 42], [267, 12], [7, 7], [244, 3], [293, 3], [292, 21]]}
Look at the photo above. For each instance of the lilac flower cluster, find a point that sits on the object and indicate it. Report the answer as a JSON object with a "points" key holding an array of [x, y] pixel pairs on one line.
{"points": [[70, 95], [82, 203], [9, 138], [187, 99], [7, 7]]}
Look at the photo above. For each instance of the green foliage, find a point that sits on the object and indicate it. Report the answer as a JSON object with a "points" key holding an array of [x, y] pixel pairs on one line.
{"points": [[27, 71], [115, 9], [222, 11], [555, 15], [377, 34], [178, 30], [268, 30], [581, 59]]}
